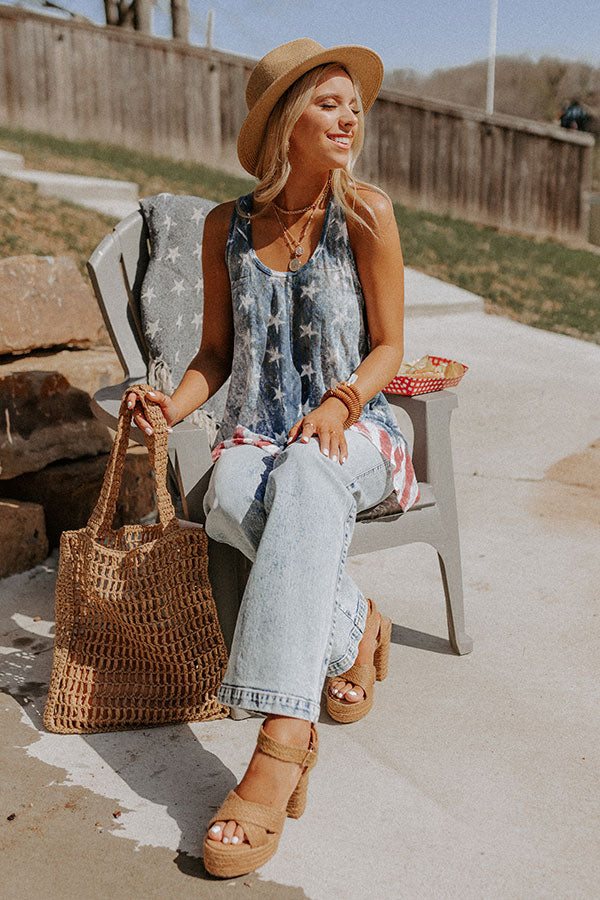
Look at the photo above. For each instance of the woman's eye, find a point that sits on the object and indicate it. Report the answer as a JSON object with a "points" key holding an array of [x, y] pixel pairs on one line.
{"points": [[327, 105]]}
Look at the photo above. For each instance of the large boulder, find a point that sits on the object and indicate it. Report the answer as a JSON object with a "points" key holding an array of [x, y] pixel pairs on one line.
{"points": [[22, 536], [45, 302], [43, 418], [87, 370], [69, 491]]}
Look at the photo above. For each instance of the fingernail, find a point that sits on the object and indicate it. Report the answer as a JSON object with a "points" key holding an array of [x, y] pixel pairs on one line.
{"points": [[148, 430], [170, 430], [235, 839], [305, 439], [325, 452], [343, 460], [151, 394], [130, 405], [334, 458], [352, 693], [225, 840], [215, 828]]}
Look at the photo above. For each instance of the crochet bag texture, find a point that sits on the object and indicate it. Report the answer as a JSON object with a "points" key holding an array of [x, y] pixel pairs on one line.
{"points": [[138, 641]]}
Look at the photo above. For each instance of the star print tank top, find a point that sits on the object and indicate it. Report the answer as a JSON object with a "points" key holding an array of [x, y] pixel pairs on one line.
{"points": [[296, 334]]}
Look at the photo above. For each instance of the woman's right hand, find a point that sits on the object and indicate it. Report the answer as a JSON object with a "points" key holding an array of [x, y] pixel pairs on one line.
{"points": [[165, 402]]}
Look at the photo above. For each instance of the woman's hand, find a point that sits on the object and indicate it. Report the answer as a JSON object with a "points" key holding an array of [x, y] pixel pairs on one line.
{"points": [[165, 402], [327, 422]]}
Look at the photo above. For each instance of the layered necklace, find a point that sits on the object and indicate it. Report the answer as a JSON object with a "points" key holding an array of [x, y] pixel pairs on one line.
{"points": [[296, 247]]}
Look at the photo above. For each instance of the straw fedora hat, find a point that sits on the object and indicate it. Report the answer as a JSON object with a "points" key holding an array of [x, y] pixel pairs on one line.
{"points": [[280, 68]]}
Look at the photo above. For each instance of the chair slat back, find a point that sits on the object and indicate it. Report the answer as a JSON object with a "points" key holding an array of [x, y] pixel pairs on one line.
{"points": [[116, 270]]}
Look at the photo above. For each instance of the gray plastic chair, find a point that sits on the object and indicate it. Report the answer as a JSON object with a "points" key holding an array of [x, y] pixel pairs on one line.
{"points": [[116, 269]]}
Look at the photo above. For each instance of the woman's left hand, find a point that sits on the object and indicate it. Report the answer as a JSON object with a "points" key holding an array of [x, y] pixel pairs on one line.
{"points": [[327, 423]]}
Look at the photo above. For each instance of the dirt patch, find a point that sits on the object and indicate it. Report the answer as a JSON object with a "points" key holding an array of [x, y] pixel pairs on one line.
{"points": [[579, 473], [579, 469]]}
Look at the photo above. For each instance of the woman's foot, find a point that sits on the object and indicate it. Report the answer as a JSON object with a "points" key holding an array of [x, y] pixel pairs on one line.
{"points": [[267, 780], [339, 688]]}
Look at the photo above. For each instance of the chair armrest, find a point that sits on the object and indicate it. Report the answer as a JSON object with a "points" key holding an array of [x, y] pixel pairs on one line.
{"points": [[106, 402], [414, 405]]}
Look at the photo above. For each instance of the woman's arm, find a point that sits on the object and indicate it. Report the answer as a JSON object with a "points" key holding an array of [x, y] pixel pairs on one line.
{"points": [[211, 366], [381, 270]]}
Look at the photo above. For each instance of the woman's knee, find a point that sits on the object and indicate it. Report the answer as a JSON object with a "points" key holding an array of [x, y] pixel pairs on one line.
{"points": [[233, 502]]}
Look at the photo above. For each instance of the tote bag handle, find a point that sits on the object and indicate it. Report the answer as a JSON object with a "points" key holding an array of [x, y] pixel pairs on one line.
{"points": [[100, 521]]}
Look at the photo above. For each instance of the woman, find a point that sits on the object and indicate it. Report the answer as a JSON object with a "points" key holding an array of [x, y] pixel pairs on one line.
{"points": [[303, 287]]}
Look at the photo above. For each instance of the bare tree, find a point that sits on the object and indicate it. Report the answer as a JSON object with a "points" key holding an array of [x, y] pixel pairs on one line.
{"points": [[180, 18], [136, 14]]}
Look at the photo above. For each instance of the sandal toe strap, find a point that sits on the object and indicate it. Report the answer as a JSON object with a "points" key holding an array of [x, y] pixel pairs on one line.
{"points": [[257, 820], [363, 676]]}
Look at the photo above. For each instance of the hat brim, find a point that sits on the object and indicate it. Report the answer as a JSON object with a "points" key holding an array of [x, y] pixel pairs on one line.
{"points": [[364, 66]]}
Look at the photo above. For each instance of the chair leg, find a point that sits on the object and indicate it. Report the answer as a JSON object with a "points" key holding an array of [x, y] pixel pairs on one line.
{"points": [[451, 570]]}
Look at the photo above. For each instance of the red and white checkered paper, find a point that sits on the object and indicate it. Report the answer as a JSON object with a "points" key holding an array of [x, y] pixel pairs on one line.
{"points": [[408, 384]]}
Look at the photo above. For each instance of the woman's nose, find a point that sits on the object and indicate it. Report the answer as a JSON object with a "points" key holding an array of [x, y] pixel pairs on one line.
{"points": [[348, 118]]}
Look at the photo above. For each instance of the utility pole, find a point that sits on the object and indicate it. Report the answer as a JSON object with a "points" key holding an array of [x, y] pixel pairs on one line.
{"points": [[491, 76], [210, 25]]}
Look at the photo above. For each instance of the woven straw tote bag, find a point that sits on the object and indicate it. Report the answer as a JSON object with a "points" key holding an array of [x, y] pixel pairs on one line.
{"points": [[138, 641]]}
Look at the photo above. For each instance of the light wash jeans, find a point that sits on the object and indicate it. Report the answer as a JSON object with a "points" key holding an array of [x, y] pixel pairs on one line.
{"points": [[301, 617]]}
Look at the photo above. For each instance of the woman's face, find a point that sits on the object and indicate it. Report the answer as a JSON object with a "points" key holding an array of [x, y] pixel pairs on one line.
{"points": [[323, 135]]}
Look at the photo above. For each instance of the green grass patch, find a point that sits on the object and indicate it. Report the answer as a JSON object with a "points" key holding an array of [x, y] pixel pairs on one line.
{"points": [[541, 283]]}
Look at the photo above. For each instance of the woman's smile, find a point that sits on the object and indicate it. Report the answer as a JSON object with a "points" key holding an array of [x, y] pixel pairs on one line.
{"points": [[342, 140]]}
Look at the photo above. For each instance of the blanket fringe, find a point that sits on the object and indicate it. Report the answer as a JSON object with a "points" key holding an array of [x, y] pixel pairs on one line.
{"points": [[161, 378]]}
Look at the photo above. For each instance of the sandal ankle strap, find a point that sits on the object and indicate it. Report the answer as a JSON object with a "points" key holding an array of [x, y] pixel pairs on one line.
{"points": [[304, 758]]}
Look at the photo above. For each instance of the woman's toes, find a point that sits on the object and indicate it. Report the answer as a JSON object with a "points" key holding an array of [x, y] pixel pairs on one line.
{"points": [[229, 831], [238, 835], [215, 832], [335, 687]]}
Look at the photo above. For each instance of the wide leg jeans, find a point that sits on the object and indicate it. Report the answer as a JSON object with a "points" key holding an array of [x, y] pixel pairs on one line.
{"points": [[301, 617]]}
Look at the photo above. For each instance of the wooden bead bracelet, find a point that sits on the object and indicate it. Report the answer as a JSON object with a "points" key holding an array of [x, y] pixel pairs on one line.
{"points": [[349, 395]]}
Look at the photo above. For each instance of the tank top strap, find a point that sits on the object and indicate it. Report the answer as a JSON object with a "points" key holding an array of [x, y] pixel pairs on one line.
{"points": [[239, 238]]}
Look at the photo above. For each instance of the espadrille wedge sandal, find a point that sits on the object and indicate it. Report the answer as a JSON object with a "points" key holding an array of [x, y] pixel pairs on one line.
{"points": [[363, 675], [262, 824]]}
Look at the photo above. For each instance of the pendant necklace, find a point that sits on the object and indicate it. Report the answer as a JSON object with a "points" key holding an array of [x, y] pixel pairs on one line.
{"points": [[295, 246]]}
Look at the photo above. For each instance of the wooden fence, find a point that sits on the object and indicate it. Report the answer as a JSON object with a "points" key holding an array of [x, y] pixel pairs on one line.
{"points": [[165, 97]]}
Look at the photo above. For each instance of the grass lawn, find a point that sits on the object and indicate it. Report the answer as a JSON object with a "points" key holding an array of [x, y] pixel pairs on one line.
{"points": [[540, 283]]}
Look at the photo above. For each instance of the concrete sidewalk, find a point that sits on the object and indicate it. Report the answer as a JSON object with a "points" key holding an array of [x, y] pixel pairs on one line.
{"points": [[472, 777]]}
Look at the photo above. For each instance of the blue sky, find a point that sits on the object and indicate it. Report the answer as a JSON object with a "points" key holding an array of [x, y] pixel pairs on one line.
{"points": [[419, 34]]}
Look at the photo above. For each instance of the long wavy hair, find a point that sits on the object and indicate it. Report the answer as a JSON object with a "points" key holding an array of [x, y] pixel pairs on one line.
{"points": [[273, 168]]}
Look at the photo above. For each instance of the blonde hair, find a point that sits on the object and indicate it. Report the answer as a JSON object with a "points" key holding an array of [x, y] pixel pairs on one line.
{"points": [[273, 167]]}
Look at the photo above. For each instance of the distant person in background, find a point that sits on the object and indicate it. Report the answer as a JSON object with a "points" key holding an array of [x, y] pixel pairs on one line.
{"points": [[574, 116]]}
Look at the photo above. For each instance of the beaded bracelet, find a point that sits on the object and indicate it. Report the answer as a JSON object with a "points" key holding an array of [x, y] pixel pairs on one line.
{"points": [[349, 395]]}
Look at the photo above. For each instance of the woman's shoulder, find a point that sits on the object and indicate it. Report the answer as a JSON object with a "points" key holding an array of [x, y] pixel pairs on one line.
{"points": [[375, 209], [221, 214], [375, 198]]}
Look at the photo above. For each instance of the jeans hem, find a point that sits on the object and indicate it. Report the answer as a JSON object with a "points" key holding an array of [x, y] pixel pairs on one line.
{"points": [[269, 702], [342, 664]]}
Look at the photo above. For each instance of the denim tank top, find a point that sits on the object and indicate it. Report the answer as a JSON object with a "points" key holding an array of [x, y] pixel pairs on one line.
{"points": [[296, 334]]}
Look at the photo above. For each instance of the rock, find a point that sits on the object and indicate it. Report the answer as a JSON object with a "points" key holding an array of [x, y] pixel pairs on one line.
{"points": [[22, 536], [43, 419], [69, 491], [87, 370], [45, 302]]}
